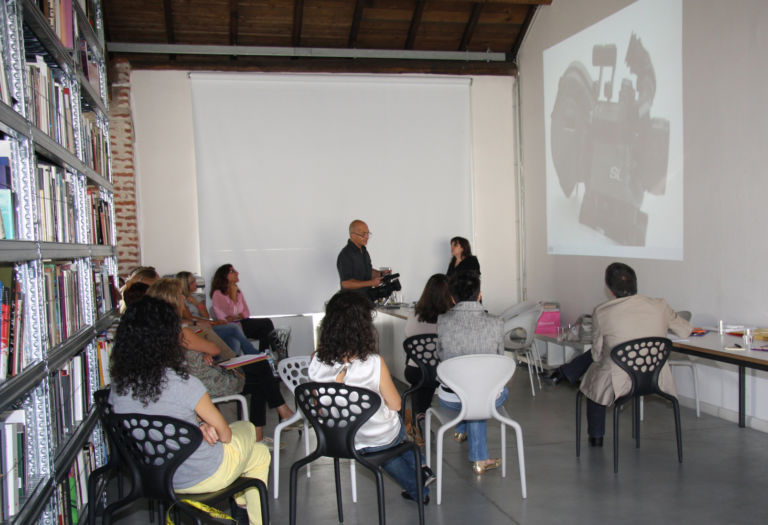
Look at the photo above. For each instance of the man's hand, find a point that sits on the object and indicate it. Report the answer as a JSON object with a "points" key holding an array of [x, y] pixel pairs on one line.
{"points": [[209, 433], [375, 281]]}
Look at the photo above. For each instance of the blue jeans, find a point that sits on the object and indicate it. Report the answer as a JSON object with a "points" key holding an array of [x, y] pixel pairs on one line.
{"points": [[401, 468], [233, 335], [477, 435]]}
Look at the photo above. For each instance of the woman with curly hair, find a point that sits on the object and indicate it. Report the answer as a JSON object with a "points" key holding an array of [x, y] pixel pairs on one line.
{"points": [[347, 353], [149, 377], [434, 300], [262, 386]]}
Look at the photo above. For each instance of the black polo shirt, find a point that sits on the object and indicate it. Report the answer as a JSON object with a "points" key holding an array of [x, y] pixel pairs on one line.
{"points": [[354, 263]]}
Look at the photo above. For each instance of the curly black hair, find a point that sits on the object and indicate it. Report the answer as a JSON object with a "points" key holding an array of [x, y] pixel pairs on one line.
{"points": [[347, 331], [146, 345], [434, 300]]}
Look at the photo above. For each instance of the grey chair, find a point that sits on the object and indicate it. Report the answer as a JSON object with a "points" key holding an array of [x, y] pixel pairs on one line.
{"points": [[518, 339]]}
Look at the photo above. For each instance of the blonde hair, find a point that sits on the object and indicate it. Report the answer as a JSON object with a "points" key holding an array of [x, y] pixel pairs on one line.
{"points": [[167, 289]]}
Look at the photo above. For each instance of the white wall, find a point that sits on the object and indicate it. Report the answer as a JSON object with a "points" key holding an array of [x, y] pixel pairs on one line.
{"points": [[725, 112], [166, 180]]}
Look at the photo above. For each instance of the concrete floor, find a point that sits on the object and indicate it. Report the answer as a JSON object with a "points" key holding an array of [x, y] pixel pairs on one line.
{"points": [[720, 480]]}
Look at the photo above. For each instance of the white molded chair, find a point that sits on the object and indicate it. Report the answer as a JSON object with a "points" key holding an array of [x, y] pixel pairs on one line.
{"points": [[518, 338], [685, 314], [293, 372], [242, 402], [478, 401]]}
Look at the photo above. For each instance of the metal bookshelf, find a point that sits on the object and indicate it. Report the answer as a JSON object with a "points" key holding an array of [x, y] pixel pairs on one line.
{"points": [[26, 31]]}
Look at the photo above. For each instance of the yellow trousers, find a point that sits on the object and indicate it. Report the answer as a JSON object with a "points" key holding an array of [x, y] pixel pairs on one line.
{"points": [[243, 456]]}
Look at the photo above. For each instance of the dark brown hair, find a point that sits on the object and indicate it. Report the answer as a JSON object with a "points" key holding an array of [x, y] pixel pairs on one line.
{"points": [[434, 300]]}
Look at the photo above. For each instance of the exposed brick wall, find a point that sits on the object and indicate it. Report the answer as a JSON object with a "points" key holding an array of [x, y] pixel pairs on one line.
{"points": [[121, 138]]}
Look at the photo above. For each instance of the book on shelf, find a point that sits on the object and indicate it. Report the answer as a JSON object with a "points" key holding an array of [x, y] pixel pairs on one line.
{"points": [[56, 204], [13, 439], [5, 93], [103, 351], [100, 217], [50, 107], [60, 285], [7, 199], [12, 351], [105, 293]]}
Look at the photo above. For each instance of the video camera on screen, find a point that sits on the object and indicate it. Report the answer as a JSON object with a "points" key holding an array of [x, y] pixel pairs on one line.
{"points": [[389, 284], [613, 146]]}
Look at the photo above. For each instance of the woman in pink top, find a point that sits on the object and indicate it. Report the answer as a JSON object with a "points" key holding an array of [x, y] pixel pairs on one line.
{"points": [[229, 305]]}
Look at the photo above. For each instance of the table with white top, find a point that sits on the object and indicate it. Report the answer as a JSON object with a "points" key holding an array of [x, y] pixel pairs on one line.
{"points": [[390, 324], [713, 346]]}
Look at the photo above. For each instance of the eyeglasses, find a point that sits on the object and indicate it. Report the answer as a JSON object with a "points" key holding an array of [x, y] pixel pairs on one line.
{"points": [[364, 234], [232, 270]]}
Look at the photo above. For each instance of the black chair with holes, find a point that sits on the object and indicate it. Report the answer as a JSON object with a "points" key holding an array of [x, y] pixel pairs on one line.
{"points": [[336, 412], [422, 350], [643, 360], [152, 447]]}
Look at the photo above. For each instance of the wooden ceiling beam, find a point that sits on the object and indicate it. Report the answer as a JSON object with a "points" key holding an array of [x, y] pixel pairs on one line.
{"points": [[355, 29], [169, 31], [234, 18], [418, 11], [469, 31], [298, 15], [521, 34]]}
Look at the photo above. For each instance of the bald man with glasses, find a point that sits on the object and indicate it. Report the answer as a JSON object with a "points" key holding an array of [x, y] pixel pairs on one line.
{"points": [[354, 263]]}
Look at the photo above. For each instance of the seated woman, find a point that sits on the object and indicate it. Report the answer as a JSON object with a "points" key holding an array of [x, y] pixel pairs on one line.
{"points": [[229, 305], [346, 353], [263, 387], [461, 257], [195, 311], [468, 329], [149, 376], [434, 300], [200, 353]]}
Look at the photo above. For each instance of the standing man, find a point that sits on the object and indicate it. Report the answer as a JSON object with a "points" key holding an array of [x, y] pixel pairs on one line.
{"points": [[354, 263]]}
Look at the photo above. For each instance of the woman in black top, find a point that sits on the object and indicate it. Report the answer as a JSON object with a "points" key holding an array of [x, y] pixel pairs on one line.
{"points": [[462, 259]]}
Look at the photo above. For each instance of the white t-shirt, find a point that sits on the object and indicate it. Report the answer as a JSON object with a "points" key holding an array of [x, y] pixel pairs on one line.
{"points": [[384, 426]]}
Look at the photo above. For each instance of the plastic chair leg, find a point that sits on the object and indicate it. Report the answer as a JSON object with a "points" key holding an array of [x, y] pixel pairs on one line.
{"points": [[615, 439], [337, 477], [579, 395], [530, 375]]}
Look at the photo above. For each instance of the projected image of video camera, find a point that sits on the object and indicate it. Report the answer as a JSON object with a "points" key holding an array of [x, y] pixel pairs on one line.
{"points": [[389, 284], [610, 144]]}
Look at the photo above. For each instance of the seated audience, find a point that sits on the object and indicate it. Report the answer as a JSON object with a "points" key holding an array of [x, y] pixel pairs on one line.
{"points": [[627, 316], [229, 305], [200, 354], [462, 259], [260, 383], [149, 376], [468, 329], [434, 300], [196, 312], [347, 353]]}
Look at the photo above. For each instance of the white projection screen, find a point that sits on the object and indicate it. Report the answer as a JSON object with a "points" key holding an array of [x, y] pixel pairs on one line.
{"points": [[614, 136], [285, 162]]}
